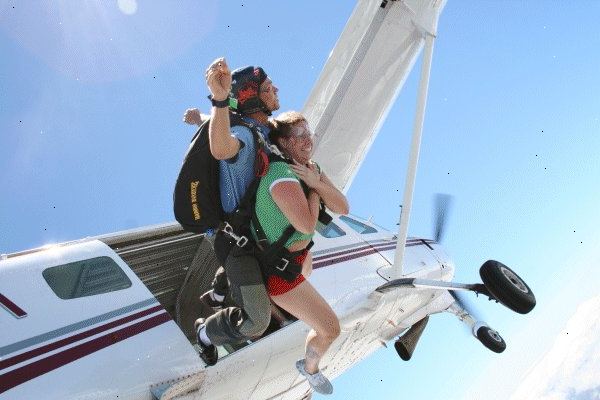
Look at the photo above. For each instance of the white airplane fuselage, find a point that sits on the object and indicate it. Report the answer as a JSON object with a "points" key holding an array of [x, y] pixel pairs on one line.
{"points": [[124, 343]]}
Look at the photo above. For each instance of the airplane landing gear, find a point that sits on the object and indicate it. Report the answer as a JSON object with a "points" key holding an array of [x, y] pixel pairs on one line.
{"points": [[486, 335], [500, 283], [507, 287], [489, 338]]}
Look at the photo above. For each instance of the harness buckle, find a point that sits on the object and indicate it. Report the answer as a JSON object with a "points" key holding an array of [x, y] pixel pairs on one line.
{"points": [[228, 229], [240, 241], [285, 264]]}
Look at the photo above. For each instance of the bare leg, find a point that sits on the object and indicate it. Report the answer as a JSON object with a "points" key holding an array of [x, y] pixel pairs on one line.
{"points": [[307, 265], [306, 304]]}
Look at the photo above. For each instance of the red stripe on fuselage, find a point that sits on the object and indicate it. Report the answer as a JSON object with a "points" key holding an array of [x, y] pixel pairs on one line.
{"points": [[12, 307], [350, 256], [357, 253], [30, 371], [72, 339], [366, 246]]}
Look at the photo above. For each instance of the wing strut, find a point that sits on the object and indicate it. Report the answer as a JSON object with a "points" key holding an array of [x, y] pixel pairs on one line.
{"points": [[411, 172]]}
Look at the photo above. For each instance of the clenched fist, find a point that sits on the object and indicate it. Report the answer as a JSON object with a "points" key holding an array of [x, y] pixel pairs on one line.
{"points": [[218, 79]]}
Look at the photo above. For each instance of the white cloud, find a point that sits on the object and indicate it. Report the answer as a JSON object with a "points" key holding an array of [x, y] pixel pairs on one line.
{"points": [[570, 370]]}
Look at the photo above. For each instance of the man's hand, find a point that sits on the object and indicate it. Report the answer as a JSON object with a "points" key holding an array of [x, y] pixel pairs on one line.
{"points": [[309, 174], [192, 116], [218, 79]]}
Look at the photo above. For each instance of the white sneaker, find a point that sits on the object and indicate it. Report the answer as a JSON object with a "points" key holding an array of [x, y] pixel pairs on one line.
{"points": [[317, 381]]}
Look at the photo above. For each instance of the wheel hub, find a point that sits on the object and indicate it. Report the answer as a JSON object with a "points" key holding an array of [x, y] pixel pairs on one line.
{"points": [[514, 279], [494, 335]]}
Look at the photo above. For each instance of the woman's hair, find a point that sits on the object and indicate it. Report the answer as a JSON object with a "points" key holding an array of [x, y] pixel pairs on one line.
{"points": [[281, 126]]}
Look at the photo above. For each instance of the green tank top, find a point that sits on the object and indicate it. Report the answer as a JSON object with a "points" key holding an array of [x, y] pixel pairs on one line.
{"points": [[270, 217]]}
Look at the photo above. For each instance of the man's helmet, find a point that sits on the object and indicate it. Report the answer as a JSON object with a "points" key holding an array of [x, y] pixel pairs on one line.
{"points": [[245, 89]]}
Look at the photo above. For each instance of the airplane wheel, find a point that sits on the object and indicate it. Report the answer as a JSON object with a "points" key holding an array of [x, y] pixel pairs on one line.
{"points": [[507, 287], [491, 339]]}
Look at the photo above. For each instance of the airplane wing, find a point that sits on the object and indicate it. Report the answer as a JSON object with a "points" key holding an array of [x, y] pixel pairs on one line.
{"points": [[362, 78]]}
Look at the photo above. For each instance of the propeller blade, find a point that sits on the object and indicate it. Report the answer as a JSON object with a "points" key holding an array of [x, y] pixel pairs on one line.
{"points": [[442, 208]]}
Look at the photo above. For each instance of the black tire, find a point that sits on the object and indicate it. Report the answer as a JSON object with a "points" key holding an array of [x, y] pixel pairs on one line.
{"points": [[491, 339], [507, 287]]}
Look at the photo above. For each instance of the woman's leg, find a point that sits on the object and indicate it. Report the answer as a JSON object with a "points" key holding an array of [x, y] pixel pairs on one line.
{"points": [[306, 304], [307, 265]]}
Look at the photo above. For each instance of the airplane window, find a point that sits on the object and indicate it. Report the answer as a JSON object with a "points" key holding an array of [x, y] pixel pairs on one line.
{"points": [[86, 278], [357, 226], [330, 230]]}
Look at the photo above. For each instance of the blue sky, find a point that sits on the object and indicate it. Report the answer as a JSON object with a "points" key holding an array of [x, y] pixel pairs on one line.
{"points": [[91, 138]]}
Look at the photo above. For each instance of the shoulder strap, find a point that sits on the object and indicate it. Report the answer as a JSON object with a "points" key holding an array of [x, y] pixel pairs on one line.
{"points": [[276, 246], [236, 119], [261, 162], [262, 237]]}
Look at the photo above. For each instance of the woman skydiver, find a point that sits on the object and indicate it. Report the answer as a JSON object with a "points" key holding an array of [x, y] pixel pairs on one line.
{"points": [[283, 204]]}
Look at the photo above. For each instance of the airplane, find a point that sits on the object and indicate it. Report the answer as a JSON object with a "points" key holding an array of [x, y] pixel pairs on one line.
{"points": [[112, 316]]}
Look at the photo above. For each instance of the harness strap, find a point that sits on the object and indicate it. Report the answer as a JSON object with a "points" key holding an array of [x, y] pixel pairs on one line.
{"points": [[237, 223], [275, 258]]}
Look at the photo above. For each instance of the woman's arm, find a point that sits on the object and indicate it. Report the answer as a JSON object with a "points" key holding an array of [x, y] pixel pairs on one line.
{"points": [[332, 197], [302, 212], [318, 181]]}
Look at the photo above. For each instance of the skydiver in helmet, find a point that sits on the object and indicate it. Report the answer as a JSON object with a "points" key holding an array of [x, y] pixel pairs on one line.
{"points": [[252, 94]]}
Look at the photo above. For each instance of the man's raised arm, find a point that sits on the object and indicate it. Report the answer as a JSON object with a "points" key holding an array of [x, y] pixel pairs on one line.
{"points": [[218, 78]]}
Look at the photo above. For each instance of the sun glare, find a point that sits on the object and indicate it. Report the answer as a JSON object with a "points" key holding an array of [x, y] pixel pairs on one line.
{"points": [[128, 7], [106, 41]]}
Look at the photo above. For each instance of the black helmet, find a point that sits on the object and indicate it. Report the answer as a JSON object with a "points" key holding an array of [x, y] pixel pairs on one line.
{"points": [[245, 89]]}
